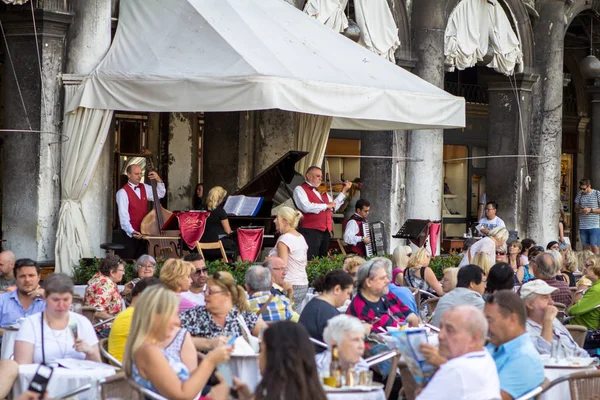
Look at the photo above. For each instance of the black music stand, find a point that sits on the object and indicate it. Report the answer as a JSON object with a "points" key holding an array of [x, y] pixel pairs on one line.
{"points": [[416, 230]]}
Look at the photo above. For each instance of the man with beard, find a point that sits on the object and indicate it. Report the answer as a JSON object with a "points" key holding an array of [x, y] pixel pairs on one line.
{"points": [[199, 277], [27, 299]]}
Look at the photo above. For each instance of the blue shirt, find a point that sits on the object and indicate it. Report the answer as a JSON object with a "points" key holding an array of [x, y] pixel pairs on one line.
{"points": [[11, 309], [519, 365], [405, 295]]}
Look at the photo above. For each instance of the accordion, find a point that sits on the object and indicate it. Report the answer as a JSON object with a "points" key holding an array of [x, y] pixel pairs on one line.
{"points": [[376, 232]]}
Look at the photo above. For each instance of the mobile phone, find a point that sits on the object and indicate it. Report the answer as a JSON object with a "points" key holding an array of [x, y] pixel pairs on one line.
{"points": [[41, 379], [232, 340], [74, 330]]}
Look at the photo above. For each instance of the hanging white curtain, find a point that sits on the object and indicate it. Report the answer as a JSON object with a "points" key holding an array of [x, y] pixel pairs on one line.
{"points": [[475, 25], [311, 135], [328, 12], [378, 30], [87, 130]]}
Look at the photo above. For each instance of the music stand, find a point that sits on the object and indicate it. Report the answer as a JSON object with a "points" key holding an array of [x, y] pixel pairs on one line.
{"points": [[416, 230]]}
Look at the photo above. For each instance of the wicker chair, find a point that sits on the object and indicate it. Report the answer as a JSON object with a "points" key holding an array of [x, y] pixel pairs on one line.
{"points": [[106, 357], [89, 312], [585, 385], [119, 387], [578, 332], [431, 305], [409, 385]]}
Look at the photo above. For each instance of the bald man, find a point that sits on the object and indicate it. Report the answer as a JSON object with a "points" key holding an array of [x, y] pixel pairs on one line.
{"points": [[466, 369], [7, 271]]}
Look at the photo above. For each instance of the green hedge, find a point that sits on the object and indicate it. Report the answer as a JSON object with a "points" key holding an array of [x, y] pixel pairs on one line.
{"points": [[315, 268]]}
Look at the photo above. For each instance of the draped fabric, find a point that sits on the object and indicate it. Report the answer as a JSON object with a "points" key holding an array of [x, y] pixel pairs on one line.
{"points": [[378, 31], [311, 135], [87, 131], [434, 235], [192, 225], [250, 242], [473, 27], [328, 12]]}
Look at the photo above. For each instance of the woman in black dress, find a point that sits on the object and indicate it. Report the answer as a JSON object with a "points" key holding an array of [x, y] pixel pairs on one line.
{"points": [[217, 224]]}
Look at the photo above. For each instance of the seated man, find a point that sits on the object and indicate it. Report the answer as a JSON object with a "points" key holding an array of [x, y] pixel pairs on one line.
{"points": [[544, 268], [7, 274], [27, 299], [261, 301], [518, 363], [542, 325], [196, 292], [122, 323], [278, 271], [461, 358], [470, 286]]}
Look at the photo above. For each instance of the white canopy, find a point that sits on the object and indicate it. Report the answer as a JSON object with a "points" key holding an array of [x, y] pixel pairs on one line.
{"points": [[236, 55]]}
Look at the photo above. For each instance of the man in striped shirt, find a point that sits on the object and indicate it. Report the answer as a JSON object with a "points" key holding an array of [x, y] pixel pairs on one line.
{"points": [[587, 205]]}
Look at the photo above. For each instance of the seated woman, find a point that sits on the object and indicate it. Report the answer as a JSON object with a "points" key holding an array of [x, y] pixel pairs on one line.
{"points": [[501, 277], [176, 275], [56, 333], [588, 260], [517, 260], [374, 303], [287, 366], [495, 238], [102, 291], [335, 288], [149, 364], [583, 310], [482, 260], [198, 202], [143, 268], [217, 224], [226, 312], [569, 266], [291, 247], [418, 274], [348, 334], [449, 279], [400, 261], [351, 264]]}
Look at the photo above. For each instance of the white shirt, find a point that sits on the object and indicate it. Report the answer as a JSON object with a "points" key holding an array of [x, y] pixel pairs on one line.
{"points": [[304, 205], [486, 245], [297, 258], [197, 298], [123, 203], [351, 231], [468, 377], [57, 344], [490, 224]]}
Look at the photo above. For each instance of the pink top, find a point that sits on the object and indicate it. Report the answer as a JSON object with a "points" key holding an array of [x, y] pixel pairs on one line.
{"points": [[185, 303]]}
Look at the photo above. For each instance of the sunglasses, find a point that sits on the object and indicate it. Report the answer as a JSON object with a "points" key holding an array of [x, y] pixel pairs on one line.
{"points": [[500, 253], [582, 187], [409, 255], [200, 271]]}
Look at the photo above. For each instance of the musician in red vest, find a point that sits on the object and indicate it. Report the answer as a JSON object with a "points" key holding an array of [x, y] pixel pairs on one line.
{"points": [[317, 210], [354, 234], [132, 202]]}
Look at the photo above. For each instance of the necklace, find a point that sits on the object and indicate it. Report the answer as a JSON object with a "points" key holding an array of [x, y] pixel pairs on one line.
{"points": [[59, 343]]}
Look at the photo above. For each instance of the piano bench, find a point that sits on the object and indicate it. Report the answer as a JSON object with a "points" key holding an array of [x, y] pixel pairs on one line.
{"points": [[111, 247]]}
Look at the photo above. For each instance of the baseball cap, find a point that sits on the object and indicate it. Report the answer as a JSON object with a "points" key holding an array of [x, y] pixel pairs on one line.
{"points": [[536, 286]]}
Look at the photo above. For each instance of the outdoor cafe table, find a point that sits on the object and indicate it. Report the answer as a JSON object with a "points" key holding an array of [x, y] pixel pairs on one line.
{"points": [[246, 369], [378, 394], [64, 380], [8, 342], [560, 391]]}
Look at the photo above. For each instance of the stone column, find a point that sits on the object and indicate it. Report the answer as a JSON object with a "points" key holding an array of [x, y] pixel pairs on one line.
{"points": [[506, 176], [546, 138], [595, 111], [31, 161], [181, 157], [89, 39], [424, 179]]}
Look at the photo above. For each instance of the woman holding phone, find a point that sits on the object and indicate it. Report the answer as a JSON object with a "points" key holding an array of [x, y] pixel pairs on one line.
{"points": [[56, 333]]}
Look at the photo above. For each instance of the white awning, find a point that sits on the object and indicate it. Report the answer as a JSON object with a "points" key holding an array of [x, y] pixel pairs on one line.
{"points": [[236, 55]]}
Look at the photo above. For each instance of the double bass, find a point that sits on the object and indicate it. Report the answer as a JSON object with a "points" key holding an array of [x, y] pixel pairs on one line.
{"points": [[162, 244]]}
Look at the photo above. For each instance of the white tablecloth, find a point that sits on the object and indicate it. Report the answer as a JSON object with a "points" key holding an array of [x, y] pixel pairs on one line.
{"points": [[374, 395], [246, 369], [8, 343], [63, 380], [560, 391]]}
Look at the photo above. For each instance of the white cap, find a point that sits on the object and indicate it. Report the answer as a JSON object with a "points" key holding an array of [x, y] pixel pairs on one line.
{"points": [[536, 286]]}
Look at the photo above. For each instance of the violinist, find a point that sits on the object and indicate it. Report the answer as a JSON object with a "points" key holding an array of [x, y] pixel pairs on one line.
{"points": [[132, 202], [317, 211]]}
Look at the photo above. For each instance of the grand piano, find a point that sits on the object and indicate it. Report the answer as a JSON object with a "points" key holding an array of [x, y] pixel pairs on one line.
{"points": [[275, 184]]}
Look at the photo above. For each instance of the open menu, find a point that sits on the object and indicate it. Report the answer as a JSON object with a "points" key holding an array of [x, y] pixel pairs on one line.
{"points": [[409, 341], [243, 205]]}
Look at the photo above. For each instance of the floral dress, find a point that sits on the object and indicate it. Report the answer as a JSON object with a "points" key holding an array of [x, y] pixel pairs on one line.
{"points": [[103, 294], [199, 322]]}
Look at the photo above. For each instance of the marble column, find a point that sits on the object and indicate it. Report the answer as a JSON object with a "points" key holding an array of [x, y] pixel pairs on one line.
{"points": [[31, 161], [424, 179], [89, 39], [546, 138], [509, 112]]}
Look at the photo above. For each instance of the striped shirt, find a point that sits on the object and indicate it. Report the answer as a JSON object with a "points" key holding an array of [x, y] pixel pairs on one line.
{"points": [[588, 200]]}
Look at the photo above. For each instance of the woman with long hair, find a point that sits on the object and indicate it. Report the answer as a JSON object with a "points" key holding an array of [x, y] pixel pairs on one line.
{"points": [[400, 259], [287, 366], [198, 203], [217, 223], [418, 274], [146, 360]]}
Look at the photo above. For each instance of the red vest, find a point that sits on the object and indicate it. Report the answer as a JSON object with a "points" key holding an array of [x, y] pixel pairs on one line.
{"points": [[359, 248], [138, 206], [322, 221]]}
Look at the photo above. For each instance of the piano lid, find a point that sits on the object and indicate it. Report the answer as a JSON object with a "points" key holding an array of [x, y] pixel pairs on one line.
{"points": [[268, 182]]}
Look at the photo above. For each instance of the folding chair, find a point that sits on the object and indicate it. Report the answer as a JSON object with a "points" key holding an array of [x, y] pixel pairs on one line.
{"points": [[212, 246]]}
